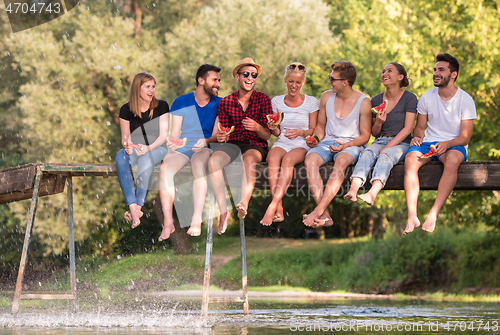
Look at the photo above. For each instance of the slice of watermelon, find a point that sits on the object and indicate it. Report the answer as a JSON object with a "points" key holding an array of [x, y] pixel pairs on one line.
{"points": [[134, 146], [275, 118], [431, 152], [312, 138], [380, 108], [178, 142], [225, 130]]}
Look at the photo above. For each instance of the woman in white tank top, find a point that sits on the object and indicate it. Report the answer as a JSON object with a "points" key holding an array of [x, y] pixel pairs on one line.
{"points": [[300, 113]]}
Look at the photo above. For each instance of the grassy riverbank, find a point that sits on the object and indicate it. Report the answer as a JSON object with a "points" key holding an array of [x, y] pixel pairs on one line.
{"points": [[445, 263]]}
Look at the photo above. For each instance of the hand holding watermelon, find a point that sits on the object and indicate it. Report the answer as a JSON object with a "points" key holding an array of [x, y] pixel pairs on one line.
{"points": [[129, 145], [380, 108], [431, 152], [273, 120], [312, 140], [225, 130], [175, 143]]}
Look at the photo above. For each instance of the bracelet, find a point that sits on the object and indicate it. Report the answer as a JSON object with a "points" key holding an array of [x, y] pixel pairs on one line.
{"points": [[304, 133]]}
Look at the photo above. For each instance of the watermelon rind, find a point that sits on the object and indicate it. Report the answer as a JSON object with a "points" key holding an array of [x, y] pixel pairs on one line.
{"points": [[380, 108]]}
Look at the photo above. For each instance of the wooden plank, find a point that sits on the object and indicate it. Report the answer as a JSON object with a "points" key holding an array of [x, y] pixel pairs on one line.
{"points": [[17, 178], [47, 297], [475, 176], [16, 183]]}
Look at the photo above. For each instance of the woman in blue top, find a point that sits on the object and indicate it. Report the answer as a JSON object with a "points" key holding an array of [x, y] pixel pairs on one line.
{"points": [[144, 127], [391, 129]]}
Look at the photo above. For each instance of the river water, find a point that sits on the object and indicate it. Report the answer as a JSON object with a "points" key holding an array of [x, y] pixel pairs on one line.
{"points": [[138, 314]]}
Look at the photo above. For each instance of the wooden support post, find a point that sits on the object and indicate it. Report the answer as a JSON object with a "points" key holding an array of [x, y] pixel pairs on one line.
{"points": [[71, 232], [244, 267], [208, 255], [27, 239]]}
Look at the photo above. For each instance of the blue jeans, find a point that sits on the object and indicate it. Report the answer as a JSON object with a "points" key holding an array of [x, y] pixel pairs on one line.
{"points": [[146, 164], [383, 163]]}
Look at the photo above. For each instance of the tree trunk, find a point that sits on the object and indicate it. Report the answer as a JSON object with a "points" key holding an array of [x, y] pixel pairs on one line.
{"points": [[108, 94], [378, 226], [138, 19], [180, 240]]}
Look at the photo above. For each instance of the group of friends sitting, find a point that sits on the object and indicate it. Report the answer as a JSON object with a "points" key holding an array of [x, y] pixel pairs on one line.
{"points": [[210, 133]]}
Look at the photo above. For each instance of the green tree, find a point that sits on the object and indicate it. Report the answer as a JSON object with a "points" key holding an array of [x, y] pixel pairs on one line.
{"points": [[273, 33]]}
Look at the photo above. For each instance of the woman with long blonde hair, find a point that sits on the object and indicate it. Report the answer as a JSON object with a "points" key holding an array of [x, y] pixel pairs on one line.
{"points": [[144, 129]]}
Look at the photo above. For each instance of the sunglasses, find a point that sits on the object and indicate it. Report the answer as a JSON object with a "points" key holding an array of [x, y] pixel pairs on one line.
{"points": [[246, 74], [330, 78], [297, 66]]}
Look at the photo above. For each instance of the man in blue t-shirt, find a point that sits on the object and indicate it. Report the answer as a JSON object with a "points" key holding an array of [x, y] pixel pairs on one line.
{"points": [[194, 119]]}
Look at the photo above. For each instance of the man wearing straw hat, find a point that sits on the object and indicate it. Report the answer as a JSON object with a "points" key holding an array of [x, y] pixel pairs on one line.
{"points": [[246, 110]]}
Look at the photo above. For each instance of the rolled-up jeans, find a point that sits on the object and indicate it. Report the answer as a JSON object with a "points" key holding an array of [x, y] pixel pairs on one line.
{"points": [[383, 162], [146, 164]]}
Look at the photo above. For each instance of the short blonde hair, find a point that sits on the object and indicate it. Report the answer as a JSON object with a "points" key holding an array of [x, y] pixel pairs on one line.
{"points": [[295, 67], [134, 95]]}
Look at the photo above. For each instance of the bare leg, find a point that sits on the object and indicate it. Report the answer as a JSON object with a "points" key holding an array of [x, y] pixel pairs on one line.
{"points": [[273, 172], [216, 163], [288, 162], [342, 161], [451, 160], [250, 160], [313, 162], [353, 191], [172, 163], [370, 196], [413, 163], [198, 166]]}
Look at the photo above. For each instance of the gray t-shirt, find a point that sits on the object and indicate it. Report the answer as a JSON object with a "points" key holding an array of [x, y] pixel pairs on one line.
{"points": [[395, 120]]}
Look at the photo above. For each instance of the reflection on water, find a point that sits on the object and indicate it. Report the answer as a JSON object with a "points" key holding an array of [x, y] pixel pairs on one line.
{"points": [[138, 314]]}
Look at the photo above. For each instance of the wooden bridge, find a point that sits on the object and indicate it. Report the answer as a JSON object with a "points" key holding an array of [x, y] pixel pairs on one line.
{"points": [[35, 180]]}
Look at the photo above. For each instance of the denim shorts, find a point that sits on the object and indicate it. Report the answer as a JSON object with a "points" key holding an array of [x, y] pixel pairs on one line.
{"points": [[323, 150], [426, 146]]}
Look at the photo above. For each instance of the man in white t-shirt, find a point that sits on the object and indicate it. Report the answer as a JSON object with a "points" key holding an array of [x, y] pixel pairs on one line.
{"points": [[448, 112]]}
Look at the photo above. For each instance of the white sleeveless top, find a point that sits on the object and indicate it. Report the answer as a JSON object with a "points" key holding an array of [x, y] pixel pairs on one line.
{"points": [[342, 129], [293, 118]]}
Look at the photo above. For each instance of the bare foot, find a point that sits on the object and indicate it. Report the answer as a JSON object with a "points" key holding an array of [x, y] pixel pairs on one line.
{"points": [[135, 214], [128, 217], [223, 223], [411, 224], [267, 220], [242, 211], [167, 230], [278, 216], [350, 196], [308, 219], [430, 223], [367, 197], [324, 220], [195, 228]]}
